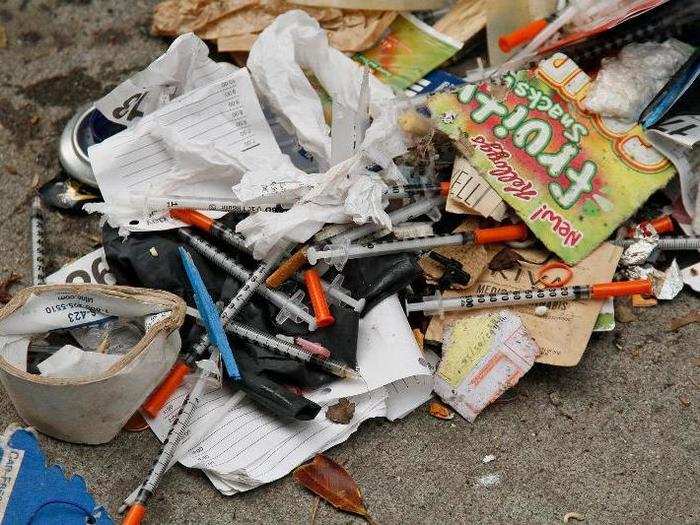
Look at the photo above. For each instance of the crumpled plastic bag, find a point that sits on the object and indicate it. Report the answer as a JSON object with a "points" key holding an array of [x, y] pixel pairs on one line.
{"points": [[626, 84]]}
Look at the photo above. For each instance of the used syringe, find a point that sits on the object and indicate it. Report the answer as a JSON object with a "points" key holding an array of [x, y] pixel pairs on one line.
{"points": [[151, 203], [215, 228], [294, 351], [429, 206], [290, 307], [37, 224], [289, 267], [665, 243], [412, 190], [339, 255], [174, 378], [137, 510], [437, 305]]}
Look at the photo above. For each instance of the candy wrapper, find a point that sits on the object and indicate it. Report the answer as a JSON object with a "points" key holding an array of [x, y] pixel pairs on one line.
{"points": [[572, 177]]}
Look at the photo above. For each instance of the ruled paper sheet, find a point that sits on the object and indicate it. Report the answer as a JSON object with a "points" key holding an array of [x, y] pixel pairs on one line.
{"points": [[200, 144], [245, 446]]}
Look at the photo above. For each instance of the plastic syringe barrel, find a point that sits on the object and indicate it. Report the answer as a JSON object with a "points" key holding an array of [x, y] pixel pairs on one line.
{"points": [[226, 263], [411, 211]]}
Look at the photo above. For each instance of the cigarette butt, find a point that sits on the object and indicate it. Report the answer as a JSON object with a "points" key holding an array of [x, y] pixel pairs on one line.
{"points": [[287, 269]]}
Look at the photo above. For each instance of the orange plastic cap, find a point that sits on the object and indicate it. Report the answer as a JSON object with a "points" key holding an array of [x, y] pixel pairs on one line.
{"points": [[317, 295], [521, 35], [193, 218], [445, 188], [619, 288], [512, 232], [134, 515], [288, 268], [663, 224], [161, 394]]}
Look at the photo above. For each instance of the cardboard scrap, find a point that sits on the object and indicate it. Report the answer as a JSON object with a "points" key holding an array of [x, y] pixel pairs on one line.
{"points": [[473, 258], [572, 177], [464, 20], [383, 5], [235, 24], [483, 356], [563, 333], [471, 194]]}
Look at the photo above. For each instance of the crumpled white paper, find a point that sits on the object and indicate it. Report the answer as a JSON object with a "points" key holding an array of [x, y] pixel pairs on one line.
{"points": [[292, 43], [184, 67], [627, 83], [345, 192]]}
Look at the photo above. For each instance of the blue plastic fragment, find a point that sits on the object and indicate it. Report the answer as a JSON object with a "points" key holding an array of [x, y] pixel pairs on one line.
{"points": [[210, 315]]}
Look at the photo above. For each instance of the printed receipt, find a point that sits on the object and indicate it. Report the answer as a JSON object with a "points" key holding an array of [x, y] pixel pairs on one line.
{"points": [[200, 144]]}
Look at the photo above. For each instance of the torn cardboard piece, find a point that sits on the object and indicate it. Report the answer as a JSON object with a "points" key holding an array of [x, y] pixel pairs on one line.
{"points": [[235, 25], [471, 194], [463, 21], [483, 356], [573, 178], [563, 333], [474, 258]]}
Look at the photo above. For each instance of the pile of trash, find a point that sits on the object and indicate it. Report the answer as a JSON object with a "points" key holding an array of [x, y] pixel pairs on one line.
{"points": [[363, 211]]}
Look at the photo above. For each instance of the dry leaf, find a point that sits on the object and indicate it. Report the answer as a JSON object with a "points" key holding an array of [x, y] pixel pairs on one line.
{"points": [[639, 301], [506, 259], [5, 284], [325, 478], [342, 412], [689, 318], [440, 411], [684, 399]]}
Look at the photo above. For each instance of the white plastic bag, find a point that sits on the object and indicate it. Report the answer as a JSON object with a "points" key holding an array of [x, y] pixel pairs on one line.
{"points": [[626, 84]]}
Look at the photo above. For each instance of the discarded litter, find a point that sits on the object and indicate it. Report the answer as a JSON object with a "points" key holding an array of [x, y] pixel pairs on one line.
{"points": [[359, 233]]}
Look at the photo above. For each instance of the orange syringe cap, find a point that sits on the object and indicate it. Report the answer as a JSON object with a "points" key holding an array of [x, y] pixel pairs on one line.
{"points": [[621, 288], [317, 295], [524, 34], [162, 393], [193, 218], [511, 232]]}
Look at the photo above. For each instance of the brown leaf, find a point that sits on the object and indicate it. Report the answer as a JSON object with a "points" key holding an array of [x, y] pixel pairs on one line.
{"points": [[440, 411], [691, 317], [342, 412], [327, 479], [5, 284]]}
